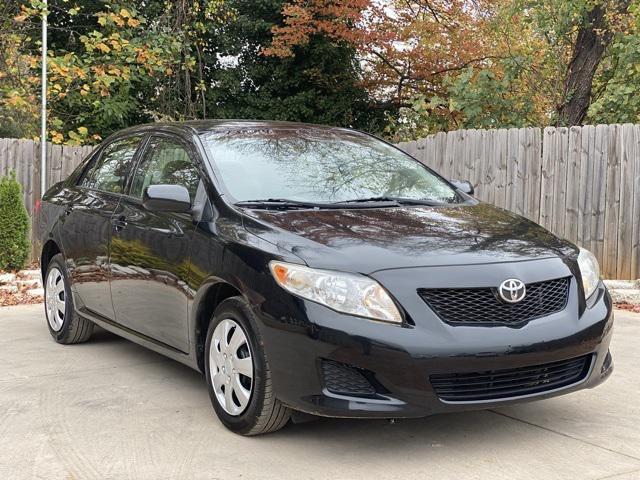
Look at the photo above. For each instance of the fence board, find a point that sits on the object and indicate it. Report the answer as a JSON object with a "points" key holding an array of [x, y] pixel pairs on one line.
{"points": [[485, 174], [612, 204], [626, 201], [447, 164], [584, 186], [471, 157], [511, 193], [549, 176], [598, 186], [534, 166], [635, 228], [440, 153], [560, 187], [3, 156], [500, 142], [573, 184]]}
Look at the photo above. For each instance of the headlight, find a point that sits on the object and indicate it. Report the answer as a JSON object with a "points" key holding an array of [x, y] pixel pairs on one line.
{"points": [[589, 270], [344, 292]]}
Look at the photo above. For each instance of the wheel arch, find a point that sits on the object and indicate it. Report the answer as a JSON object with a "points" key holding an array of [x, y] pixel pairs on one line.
{"points": [[49, 250], [205, 303]]}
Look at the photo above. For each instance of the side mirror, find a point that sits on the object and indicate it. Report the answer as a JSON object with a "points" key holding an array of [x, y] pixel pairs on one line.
{"points": [[464, 186], [166, 198]]}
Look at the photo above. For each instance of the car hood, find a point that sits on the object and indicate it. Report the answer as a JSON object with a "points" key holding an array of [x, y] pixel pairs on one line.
{"points": [[371, 239]]}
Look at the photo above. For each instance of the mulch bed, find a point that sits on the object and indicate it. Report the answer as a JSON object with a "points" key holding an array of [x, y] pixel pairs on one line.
{"points": [[20, 297], [8, 299]]}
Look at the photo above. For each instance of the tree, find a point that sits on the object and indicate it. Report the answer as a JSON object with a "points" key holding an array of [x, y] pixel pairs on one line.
{"points": [[396, 67], [565, 43], [110, 66], [14, 225], [18, 81], [320, 84], [408, 48], [533, 62], [114, 63], [594, 36], [617, 84]]}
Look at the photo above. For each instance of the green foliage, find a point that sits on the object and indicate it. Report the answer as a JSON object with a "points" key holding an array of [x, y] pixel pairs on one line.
{"points": [[18, 84], [475, 98], [109, 78], [112, 64], [617, 98], [134, 252], [116, 63], [619, 101], [486, 99], [319, 84], [14, 225]]}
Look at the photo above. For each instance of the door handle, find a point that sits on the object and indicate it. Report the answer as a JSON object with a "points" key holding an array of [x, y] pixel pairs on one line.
{"points": [[68, 210], [120, 223]]}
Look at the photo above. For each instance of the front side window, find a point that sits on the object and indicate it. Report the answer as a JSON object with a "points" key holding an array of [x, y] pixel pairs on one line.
{"points": [[320, 166], [165, 162], [109, 173]]}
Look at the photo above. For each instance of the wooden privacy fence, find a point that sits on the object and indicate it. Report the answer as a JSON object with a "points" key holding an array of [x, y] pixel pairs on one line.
{"points": [[582, 183], [23, 158]]}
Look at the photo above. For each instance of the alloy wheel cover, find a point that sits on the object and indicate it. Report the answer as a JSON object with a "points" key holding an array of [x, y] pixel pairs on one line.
{"points": [[231, 367], [55, 299]]}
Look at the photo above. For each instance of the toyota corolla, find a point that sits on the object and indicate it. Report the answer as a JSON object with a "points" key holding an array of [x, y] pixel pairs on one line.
{"points": [[309, 270]]}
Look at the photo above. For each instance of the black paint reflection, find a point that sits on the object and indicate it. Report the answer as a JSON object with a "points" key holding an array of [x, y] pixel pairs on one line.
{"points": [[319, 165], [410, 236], [150, 270]]}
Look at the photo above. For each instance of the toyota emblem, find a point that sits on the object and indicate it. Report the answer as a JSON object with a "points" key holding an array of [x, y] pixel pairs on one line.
{"points": [[512, 290]]}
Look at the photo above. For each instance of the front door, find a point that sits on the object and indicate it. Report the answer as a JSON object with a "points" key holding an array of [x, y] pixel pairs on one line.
{"points": [[150, 251]]}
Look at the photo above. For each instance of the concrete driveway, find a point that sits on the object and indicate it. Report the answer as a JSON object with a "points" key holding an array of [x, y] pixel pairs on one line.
{"points": [[111, 409]]}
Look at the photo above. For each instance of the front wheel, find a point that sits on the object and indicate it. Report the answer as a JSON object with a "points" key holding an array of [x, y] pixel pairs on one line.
{"points": [[238, 374], [65, 325]]}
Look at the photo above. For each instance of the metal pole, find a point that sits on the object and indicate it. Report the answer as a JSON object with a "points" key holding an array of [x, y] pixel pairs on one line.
{"points": [[43, 113]]}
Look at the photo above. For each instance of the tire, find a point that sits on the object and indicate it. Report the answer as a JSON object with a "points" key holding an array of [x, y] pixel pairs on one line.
{"points": [[262, 412], [65, 325]]}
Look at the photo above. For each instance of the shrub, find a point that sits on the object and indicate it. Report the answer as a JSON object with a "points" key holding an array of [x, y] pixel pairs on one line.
{"points": [[14, 225]]}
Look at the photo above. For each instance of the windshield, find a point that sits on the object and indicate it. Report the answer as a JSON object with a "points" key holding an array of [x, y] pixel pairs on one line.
{"points": [[320, 166]]}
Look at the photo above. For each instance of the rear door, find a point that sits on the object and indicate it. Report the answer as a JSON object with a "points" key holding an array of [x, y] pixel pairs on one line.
{"points": [[150, 253], [86, 225]]}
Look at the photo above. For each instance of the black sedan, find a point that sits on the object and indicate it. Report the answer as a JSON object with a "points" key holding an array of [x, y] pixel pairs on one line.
{"points": [[310, 270]]}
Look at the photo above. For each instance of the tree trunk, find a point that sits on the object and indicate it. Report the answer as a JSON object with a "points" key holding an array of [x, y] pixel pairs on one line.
{"points": [[593, 38]]}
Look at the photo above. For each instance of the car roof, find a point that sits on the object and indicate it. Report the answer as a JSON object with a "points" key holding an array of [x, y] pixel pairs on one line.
{"points": [[203, 126]]}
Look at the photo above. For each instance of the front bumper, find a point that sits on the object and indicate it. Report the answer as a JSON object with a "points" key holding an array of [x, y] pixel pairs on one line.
{"points": [[300, 335]]}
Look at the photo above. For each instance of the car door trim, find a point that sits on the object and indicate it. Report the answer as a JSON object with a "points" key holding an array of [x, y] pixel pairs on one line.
{"points": [[118, 328]]}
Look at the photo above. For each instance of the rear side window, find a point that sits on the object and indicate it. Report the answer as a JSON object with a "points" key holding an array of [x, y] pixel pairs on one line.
{"points": [[109, 173], [165, 162]]}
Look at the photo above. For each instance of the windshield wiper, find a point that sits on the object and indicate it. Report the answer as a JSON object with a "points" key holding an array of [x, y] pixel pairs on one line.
{"points": [[286, 204], [282, 204], [275, 203], [396, 200]]}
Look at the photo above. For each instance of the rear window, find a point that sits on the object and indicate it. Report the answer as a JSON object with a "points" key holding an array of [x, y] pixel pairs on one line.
{"points": [[109, 172]]}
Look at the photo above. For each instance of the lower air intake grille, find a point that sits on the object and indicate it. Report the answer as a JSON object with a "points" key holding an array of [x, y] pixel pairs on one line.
{"points": [[514, 382], [481, 306], [345, 380]]}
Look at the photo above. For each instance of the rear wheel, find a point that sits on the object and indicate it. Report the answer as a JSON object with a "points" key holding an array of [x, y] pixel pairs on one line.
{"points": [[65, 325], [238, 374]]}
